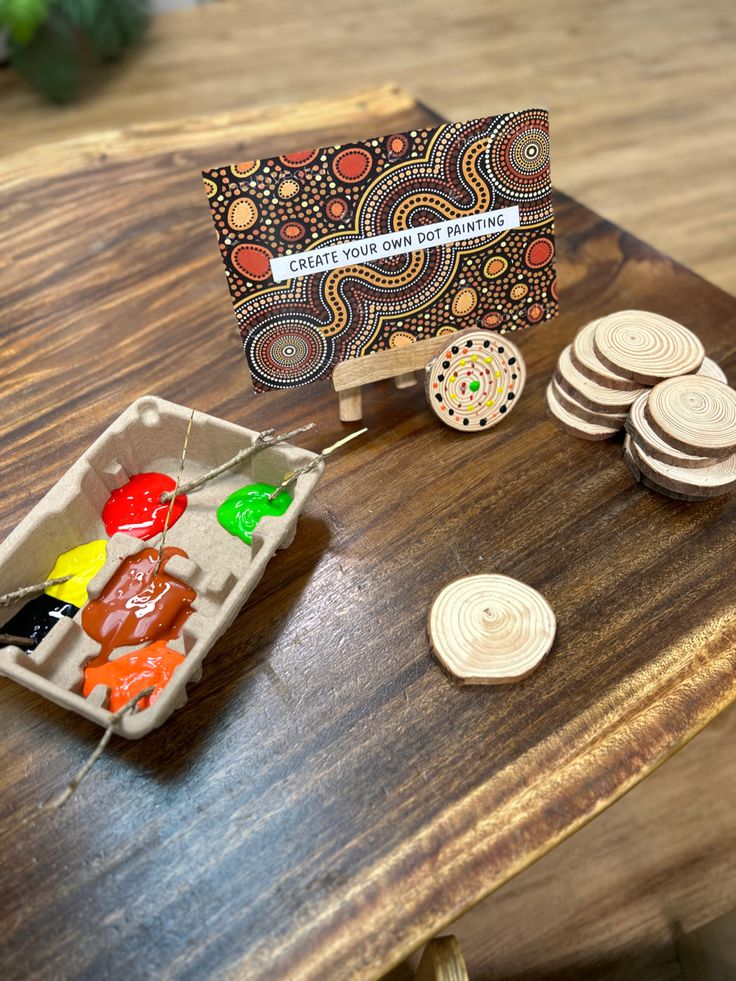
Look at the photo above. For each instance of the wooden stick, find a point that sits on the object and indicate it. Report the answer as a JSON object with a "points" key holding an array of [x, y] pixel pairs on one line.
{"points": [[173, 496], [16, 641], [263, 441], [314, 463], [55, 803], [24, 591]]}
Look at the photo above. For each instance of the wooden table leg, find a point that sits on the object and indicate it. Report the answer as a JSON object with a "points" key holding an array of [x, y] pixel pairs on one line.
{"points": [[405, 380], [350, 404]]}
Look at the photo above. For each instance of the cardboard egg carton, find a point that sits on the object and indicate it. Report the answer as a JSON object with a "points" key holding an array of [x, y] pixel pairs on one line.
{"points": [[222, 569]]}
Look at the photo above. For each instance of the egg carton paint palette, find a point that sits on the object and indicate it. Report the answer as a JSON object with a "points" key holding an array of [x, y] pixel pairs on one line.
{"points": [[220, 568]]}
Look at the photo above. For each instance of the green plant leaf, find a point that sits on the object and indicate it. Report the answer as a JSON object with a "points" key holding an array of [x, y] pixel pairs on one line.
{"points": [[50, 62], [109, 25], [22, 17]]}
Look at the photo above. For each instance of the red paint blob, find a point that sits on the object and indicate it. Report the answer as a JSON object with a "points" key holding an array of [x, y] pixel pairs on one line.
{"points": [[133, 672], [136, 607], [136, 508]]}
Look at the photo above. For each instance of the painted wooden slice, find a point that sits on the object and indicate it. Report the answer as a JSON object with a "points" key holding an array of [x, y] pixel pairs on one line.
{"points": [[646, 347], [694, 413], [589, 364], [711, 369], [475, 381], [490, 629], [597, 397], [573, 424], [637, 426], [576, 408], [718, 478], [650, 484]]}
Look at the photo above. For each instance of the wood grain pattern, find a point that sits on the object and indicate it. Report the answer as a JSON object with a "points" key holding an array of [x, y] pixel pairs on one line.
{"points": [[310, 791]]}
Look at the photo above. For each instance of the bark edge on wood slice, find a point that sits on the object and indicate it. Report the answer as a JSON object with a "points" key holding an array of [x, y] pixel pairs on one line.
{"points": [[573, 424]]}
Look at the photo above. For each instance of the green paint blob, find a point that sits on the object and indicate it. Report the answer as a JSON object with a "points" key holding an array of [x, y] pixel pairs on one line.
{"points": [[240, 513], [474, 385]]}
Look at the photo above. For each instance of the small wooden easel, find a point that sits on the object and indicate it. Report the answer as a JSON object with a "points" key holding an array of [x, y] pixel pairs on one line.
{"points": [[400, 364]]}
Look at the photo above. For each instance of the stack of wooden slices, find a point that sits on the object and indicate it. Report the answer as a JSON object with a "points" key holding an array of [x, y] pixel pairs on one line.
{"points": [[681, 438], [648, 374], [611, 363]]}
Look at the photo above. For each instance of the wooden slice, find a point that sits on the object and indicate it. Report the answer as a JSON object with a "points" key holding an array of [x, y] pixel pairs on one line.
{"points": [[475, 381], [490, 629], [589, 364], [597, 397], [650, 484], [637, 426], [694, 413], [711, 369], [646, 347], [718, 478], [583, 412], [572, 424]]}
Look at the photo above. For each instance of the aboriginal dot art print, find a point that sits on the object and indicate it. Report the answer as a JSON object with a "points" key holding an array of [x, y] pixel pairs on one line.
{"points": [[499, 278]]}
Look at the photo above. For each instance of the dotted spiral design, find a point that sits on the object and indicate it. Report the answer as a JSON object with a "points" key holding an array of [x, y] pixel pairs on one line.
{"points": [[475, 381], [490, 629], [589, 364], [695, 414], [646, 347], [281, 352], [650, 442]]}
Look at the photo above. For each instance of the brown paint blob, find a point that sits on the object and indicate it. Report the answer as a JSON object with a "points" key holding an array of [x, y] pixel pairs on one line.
{"points": [[136, 607]]}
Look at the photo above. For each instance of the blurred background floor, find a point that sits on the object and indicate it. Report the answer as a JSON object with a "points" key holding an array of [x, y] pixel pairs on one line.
{"points": [[641, 95], [643, 120]]}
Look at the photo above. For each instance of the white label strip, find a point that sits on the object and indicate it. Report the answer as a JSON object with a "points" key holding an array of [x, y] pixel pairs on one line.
{"points": [[393, 243]]}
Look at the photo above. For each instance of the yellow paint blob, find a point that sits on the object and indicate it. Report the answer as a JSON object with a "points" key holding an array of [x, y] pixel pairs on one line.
{"points": [[82, 564]]}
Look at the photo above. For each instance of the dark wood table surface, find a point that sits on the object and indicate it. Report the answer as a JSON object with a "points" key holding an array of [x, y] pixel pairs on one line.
{"points": [[328, 799]]}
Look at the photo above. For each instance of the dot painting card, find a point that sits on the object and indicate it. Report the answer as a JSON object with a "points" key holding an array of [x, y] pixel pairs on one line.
{"points": [[343, 251]]}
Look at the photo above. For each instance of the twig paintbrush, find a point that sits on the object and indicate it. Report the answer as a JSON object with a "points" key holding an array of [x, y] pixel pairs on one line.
{"points": [[16, 641], [19, 594], [262, 442], [292, 477], [173, 496], [57, 802]]}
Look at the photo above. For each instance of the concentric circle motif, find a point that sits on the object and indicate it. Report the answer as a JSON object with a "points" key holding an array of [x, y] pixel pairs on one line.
{"points": [[401, 338], [336, 209], [518, 157], [646, 347], [490, 629], [292, 231], [242, 214], [286, 354], [301, 159], [695, 414], [288, 188], [246, 168], [475, 381], [352, 165], [496, 266], [539, 253], [397, 145], [253, 261], [492, 319], [464, 301], [210, 187]]}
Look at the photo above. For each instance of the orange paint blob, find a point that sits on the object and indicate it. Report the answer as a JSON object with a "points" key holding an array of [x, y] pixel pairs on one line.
{"points": [[136, 607], [134, 672]]}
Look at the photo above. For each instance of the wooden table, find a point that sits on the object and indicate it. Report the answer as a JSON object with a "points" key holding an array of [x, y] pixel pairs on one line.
{"points": [[327, 799]]}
